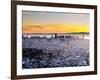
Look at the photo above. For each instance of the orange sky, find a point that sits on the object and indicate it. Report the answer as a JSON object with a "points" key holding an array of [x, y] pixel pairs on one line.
{"points": [[58, 28], [54, 22]]}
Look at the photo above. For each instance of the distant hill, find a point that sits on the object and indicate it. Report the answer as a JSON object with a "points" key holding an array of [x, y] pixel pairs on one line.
{"points": [[78, 33], [57, 33]]}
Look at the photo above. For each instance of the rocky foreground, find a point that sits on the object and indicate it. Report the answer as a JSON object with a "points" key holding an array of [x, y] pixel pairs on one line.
{"points": [[45, 53]]}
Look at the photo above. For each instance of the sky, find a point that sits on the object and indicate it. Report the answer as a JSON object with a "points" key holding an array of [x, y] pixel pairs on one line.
{"points": [[54, 22]]}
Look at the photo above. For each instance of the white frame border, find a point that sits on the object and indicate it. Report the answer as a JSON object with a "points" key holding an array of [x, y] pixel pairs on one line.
{"points": [[21, 71]]}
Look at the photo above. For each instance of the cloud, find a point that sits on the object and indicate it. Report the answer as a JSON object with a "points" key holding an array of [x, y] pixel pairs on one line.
{"points": [[52, 28]]}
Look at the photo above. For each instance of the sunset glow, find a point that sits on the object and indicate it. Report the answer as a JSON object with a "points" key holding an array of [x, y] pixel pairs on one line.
{"points": [[38, 22], [55, 28]]}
